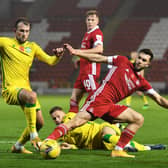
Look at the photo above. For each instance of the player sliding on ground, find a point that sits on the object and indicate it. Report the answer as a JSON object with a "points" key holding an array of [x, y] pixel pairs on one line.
{"points": [[92, 135], [121, 81]]}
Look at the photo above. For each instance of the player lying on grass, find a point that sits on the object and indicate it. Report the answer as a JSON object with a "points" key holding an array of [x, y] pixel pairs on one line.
{"points": [[121, 81], [92, 135]]}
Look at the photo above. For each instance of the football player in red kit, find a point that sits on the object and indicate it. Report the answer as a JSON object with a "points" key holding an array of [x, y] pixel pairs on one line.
{"points": [[87, 80], [121, 81]]}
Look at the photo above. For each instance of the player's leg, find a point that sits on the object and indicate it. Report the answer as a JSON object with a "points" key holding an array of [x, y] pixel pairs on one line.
{"points": [[39, 120], [128, 101], [145, 100], [135, 121], [146, 104], [28, 100], [109, 135], [39, 117], [18, 147], [77, 95], [62, 129], [134, 146], [11, 96]]}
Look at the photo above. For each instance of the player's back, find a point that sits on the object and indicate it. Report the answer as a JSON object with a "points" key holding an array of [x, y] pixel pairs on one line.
{"points": [[83, 136]]}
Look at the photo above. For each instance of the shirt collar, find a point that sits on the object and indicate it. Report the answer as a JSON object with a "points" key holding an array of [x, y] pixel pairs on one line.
{"points": [[96, 27]]}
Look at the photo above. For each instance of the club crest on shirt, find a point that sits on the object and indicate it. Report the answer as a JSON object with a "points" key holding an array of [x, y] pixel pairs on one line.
{"points": [[24, 49], [28, 49]]}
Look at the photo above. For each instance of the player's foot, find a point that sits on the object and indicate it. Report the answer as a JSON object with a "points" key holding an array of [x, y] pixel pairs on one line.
{"points": [[157, 147], [130, 149], [21, 150], [145, 106], [118, 153], [36, 142]]}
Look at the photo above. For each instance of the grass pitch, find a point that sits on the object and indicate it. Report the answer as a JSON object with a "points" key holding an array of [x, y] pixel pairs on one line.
{"points": [[12, 123]]}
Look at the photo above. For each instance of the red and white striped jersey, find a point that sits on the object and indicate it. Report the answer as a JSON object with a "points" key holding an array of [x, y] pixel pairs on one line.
{"points": [[122, 80]]}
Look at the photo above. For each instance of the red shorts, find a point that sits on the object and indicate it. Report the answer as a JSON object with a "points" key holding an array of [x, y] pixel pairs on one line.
{"points": [[88, 82], [103, 108]]}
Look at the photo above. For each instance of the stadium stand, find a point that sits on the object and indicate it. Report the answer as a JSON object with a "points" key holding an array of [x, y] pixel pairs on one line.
{"points": [[145, 26], [71, 19]]}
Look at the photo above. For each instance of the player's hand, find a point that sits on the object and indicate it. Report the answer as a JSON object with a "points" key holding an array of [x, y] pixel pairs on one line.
{"points": [[70, 49], [65, 145], [36, 142], [59, 52]]}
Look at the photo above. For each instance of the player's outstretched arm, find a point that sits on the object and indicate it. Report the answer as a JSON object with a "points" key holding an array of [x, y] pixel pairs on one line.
{"points": [[159, 99], [50, 60], [88, 56]]}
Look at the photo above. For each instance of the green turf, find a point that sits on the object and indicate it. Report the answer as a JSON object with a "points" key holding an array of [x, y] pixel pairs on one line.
{"points": [[12, 123]]}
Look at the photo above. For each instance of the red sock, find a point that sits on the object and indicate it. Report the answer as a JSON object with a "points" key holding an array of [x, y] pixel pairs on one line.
{"points": [[73, 106], [58, 132], [125, 137]]}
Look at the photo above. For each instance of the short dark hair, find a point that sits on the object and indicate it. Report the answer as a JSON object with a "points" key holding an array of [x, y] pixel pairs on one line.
{"points": [[148, 52], [23, 20], [92, 12], [55, 108]]}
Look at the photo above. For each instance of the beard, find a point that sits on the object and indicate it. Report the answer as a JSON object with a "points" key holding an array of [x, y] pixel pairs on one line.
{"points": [[20, 40], [137, 69]]}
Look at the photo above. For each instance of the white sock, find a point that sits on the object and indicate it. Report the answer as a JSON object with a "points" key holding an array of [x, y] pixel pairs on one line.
{"points": [[128, 145], [118, 148], [18, 146], [33, 135]]}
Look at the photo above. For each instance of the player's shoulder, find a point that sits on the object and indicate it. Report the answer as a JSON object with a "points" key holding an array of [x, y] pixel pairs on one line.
{"points": [[3, 38], [6, 39], [97, 31], [32, 43], [68, 116], [121, 57]]}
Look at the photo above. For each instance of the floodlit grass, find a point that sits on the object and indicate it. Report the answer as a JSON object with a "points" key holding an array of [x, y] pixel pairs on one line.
{"points": [[12, 123]]}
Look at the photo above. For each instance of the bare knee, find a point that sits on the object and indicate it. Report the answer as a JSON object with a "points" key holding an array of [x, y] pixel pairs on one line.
{"points": [[139, 119], [32, 97]]}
